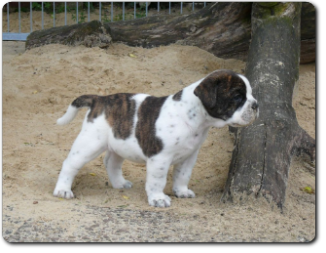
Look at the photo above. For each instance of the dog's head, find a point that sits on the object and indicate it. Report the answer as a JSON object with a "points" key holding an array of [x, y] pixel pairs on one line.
{"points": [[227, 95]]}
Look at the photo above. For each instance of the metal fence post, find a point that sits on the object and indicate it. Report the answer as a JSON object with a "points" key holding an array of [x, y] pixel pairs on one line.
{"points": [[77, 12], [65, 13], [19, 29], [53, 14], [123, 10], [42, 16], [111, 11], [88, 12], [31, 16], [100, 11], [8, 27]]}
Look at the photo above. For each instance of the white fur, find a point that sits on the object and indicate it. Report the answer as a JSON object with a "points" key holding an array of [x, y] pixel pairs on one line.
{"points": [[182, 126], [68, 116]]}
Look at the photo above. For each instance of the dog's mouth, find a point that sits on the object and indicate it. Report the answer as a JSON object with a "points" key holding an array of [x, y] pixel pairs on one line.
{"points": [[246, 120], [236, 125]]}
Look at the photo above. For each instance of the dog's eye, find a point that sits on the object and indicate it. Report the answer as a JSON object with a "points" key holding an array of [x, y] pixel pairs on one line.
{"points": [[238, 98]]}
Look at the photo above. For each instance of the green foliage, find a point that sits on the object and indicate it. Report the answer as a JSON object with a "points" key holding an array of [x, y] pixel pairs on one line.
{"points": [[130, 4], [117, 17], [47, 6], [106, 17], [91, 7], [141, 14], [81, 17], [84, 6], [81, 12], [142, 7], [36, 6], [142, 11], [24, 9], [61, 8]]}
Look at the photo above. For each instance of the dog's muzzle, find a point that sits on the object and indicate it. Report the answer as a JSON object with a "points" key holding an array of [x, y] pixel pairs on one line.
{"points": [[255, 108]]}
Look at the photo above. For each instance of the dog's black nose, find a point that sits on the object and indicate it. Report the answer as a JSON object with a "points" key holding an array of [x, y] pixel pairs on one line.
{"points": [[254, 106]]}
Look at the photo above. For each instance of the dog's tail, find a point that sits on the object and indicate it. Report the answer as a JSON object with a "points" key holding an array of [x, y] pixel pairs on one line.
{"points": [[82, 101]]}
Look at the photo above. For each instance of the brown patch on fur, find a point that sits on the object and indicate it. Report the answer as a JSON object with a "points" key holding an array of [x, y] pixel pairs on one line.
{"points": [[94, 102], [120, 114], [148, 113], [218, 91], [84, 101], [119, 111], [177, 96]]}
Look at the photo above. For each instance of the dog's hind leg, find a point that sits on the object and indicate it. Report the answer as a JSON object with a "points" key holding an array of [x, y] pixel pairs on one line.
{"points": [[113, 163], [181, 177], [90, 143]]}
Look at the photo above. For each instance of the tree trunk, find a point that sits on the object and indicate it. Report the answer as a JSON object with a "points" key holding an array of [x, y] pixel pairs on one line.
{"points": [[210, 29], [223, 29], [92, 34], [262, 155]]}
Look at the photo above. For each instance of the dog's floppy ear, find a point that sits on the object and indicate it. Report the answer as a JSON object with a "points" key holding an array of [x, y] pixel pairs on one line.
{"points": [[206, 91]]}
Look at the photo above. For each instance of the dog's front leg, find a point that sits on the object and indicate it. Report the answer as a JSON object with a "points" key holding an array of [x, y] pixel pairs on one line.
{"points": [[157, 170], [181, 176]]}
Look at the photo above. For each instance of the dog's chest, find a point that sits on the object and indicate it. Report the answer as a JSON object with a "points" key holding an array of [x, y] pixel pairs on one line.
{"points": [[187, 146], [180, 128]]}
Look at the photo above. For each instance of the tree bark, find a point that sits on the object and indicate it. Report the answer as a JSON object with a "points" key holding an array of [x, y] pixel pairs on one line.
{"points": [[92, 34], [223, 29], [263, 151]]}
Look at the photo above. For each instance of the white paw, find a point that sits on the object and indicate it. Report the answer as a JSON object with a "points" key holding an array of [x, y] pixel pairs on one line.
{"points": [[159, 200], [184, 193], [67, 194], [127, 184], [122, 185]]}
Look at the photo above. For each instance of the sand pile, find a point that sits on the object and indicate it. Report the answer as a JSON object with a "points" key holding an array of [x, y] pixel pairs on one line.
{"points": [[39, 84]]}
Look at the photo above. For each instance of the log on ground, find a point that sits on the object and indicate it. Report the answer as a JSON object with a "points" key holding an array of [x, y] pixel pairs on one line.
{"points": [[223, 29]]}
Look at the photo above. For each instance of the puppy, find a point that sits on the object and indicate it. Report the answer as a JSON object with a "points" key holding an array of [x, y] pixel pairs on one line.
{"points": [[157, 131]]}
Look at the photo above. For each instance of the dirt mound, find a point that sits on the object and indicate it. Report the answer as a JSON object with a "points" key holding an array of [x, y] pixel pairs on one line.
{"points": [[39, 84]]}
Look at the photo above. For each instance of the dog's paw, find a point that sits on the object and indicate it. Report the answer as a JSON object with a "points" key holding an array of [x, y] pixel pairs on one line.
{"points": [[184, 193], [159, 200], [67, 194], [127, 184], [122, 185]]}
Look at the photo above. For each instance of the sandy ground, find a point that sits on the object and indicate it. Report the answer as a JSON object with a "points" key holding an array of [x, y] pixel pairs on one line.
{"points": [[37, 87]]}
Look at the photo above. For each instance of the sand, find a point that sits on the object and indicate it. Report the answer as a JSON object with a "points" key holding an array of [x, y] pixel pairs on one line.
{"points": [[37, 87]]}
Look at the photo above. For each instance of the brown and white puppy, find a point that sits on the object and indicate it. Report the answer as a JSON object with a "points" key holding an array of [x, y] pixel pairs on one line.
{"points": [[158, 131]]}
